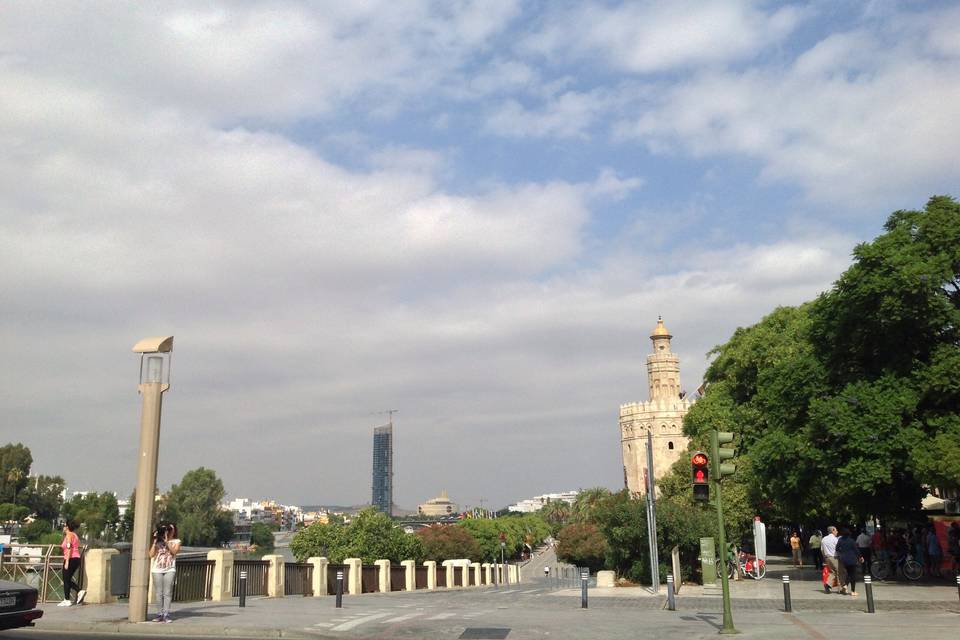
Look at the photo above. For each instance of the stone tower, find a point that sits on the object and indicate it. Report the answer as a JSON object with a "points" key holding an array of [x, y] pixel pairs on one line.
{"points": [[662, 415]]}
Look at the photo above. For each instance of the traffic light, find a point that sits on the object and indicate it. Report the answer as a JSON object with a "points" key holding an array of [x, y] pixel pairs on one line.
{"points": [[723, 453], [701, 476]]}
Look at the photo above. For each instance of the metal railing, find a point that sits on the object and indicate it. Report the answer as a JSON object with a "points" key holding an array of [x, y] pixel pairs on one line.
{"points": [[256, 576], [297, 579], [421, 578], [40, 566], [194, 580]]}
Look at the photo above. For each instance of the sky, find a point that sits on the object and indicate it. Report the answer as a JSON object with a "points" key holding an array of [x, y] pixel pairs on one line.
{"points": [[470, 212]]}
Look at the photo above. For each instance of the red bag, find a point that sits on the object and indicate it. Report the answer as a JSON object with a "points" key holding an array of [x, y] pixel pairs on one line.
{"points": [[825, 578]]}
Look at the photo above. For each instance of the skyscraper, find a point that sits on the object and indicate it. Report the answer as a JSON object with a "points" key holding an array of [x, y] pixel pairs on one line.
{"points": [[382, 499]]}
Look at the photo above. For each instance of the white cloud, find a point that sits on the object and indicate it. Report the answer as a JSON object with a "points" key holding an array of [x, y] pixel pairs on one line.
{"points": [[650, 37], [854, 119]]}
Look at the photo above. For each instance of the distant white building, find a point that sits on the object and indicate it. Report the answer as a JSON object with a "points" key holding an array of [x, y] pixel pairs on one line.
{"points": [[531, 505]]}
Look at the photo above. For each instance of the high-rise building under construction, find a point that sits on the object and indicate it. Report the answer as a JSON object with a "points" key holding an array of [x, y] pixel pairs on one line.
{"points": [[382, 499]]}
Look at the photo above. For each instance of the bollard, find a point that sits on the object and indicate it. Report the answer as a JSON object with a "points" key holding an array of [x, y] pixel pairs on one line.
{"points": [[243, 589], [787, 604], [958, 586], [339, 590], [868, 585], [671, 601], [584, 581]]}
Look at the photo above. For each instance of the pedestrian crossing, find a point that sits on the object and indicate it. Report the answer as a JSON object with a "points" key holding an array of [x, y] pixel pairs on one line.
{"points": [[345, 622]]}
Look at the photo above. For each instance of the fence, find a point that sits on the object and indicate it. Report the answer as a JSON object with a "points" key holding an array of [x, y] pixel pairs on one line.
{"points": [[194, 580], [441, 577], [421, 578], [256, 576], [40, 566], [369, 579], [398, 578], [298, 579]]}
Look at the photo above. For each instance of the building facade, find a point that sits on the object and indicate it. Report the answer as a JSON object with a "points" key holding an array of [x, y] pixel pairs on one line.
{"points": [[439, 506], [532, 505], [661, 415], [382, 499]]}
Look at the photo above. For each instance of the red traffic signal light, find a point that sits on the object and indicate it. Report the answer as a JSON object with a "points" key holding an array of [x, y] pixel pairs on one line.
{"points": [[701, 476]]}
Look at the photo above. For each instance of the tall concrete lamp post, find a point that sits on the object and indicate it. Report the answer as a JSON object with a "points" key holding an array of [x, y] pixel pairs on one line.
{"points": [[155, 357]]}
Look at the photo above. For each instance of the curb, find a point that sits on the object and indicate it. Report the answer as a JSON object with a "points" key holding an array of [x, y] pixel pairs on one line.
{"points": [[160, 630]]}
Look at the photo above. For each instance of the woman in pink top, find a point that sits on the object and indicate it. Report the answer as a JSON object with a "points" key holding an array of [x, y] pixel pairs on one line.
{"points": [[71, 562]]}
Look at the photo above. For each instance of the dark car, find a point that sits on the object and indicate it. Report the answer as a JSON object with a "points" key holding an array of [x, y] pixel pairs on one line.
{"points": [[18, 605]]}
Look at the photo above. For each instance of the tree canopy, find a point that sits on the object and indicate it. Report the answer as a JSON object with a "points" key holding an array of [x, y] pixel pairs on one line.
{"points": [[194, 505], [856, 391], [370, 536]]}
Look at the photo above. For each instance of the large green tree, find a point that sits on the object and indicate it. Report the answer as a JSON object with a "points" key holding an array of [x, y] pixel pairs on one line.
{"points": [[370, 536], [96, 514], [194, 505], [856, 391], [43, 495]]}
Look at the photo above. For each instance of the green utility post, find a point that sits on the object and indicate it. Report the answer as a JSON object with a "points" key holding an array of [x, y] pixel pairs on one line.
{"points": [[720, 469]]}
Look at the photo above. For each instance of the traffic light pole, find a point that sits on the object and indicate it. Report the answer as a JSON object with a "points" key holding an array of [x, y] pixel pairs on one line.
{"points": [[728, 627]]}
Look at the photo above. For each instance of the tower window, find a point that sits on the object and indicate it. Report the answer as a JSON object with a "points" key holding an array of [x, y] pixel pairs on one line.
{"points": [[670, 446]]}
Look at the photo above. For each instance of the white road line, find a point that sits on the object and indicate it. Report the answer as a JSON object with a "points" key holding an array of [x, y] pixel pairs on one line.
{"points": [[407, 616], [508, 591], [346, 626], [441, 616], [324, 624]]}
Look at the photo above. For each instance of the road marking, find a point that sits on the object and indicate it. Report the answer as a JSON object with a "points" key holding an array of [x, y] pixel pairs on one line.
{"points": [[407, 616], [508, 591], [324, 624], [346, 626], [441, 616]]}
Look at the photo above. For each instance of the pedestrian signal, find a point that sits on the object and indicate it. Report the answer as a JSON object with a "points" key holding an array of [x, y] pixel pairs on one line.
{"points": [[701, 476]]}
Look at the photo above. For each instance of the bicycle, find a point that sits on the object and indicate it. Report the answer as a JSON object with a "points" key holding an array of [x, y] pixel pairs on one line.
{"points": [[905, 566], [747, 564]]}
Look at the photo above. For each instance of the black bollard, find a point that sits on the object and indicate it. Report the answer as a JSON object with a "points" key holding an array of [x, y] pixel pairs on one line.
{"points": [[958, 586], [339, 589], [868, 585], [584, 581], [243, 589], [787, 604], [671, 601]]}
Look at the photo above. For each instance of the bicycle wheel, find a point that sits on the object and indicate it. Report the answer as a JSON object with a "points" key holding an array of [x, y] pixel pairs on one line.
{"points": [[912, 570], [879, 569]]}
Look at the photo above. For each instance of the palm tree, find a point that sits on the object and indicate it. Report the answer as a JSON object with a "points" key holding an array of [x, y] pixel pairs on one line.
{"points": [[556, 512], [15, 476], [587, 500]]}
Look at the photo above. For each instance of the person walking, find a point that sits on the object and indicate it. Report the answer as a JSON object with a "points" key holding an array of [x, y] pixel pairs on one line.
{"points": [[814, 545], [796, 549], [163, 553], [863, 546], [848, 555], [71, 562], [828, 546]]}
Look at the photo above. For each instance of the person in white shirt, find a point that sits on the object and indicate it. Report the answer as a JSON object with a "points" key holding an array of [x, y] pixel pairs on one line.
{"points": [[828, 546]]}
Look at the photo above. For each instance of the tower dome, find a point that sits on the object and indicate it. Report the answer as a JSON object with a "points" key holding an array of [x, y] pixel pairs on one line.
{"points": [[660, 331]]}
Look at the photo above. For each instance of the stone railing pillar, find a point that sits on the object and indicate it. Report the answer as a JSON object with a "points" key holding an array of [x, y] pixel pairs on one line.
{"points": [[465, 573], [487, 573], [514, 574], [449, 569], [222, 586], [275, 576], [477, 580], [319, 575], [354, 572], [96, 572], [431, 566], [383, 575], [409, 574]]}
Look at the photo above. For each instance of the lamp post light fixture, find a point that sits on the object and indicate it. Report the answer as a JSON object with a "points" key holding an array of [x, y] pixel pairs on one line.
{"points": [[155, 358]]}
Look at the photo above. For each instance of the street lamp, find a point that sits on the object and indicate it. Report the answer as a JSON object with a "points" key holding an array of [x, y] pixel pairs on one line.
{"points": [[155, 358]]}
